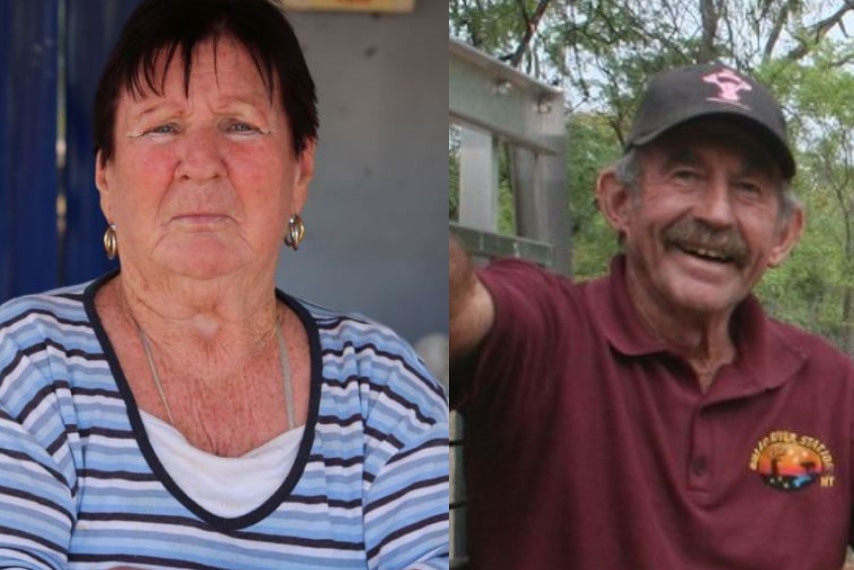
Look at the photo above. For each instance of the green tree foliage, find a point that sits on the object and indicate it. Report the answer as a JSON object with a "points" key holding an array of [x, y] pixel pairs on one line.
{"points": [[454, 187], [590, 147], [453, 176], [816, 287]]}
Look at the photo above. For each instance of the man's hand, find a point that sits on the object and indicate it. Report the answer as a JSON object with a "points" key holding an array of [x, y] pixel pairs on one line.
{"points": [[470, 305]]}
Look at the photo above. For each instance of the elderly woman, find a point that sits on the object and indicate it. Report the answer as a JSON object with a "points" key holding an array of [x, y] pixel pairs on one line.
{"points": [[181, 412]]}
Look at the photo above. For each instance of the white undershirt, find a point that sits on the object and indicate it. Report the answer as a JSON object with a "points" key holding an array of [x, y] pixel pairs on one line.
{"points": [[225, 486]]}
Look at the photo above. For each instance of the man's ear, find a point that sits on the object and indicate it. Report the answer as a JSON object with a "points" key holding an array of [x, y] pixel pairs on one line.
{"points": [[614, 200], [788, 237]]}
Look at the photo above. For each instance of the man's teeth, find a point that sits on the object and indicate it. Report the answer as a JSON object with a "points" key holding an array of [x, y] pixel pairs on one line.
{"points": [[707, 253]]}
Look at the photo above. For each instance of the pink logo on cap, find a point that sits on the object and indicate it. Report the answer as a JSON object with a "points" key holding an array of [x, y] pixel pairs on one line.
{"points": [[729, 86]]}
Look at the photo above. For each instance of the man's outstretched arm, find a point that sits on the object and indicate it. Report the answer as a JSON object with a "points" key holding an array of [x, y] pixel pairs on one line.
{"points": [[472, 310]]}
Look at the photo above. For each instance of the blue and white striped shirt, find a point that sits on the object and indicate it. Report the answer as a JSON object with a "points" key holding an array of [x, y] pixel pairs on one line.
{"points": [[81, 488]]}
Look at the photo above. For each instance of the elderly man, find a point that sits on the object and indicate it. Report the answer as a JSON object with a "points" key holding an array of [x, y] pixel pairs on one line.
{"points": [[657, 418]]}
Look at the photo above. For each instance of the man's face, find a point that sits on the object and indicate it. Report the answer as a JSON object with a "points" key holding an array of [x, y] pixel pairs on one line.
{"points": [[706, 221]]}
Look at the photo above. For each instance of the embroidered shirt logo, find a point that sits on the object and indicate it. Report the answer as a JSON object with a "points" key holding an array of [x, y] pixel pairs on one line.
{"points": [[790, 462], [729, 85]]}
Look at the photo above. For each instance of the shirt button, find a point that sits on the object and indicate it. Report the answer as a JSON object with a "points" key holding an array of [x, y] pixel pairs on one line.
{"points": [[699, 466]]}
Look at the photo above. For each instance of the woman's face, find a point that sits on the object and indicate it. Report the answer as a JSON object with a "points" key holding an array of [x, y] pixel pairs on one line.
{"points": [[202, 184]]}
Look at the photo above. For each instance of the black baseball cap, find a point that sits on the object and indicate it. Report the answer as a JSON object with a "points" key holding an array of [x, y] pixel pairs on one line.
{"points": [[684, 93]]}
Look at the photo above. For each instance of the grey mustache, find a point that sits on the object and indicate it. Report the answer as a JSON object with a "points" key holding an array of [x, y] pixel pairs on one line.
{"points": [[694, 234]]}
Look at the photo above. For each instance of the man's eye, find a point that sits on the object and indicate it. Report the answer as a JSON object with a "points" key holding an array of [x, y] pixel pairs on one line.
{"points": [[749, 187], [686, 175]]}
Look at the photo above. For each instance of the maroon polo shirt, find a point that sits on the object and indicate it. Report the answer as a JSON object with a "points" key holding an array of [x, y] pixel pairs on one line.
{"points": [[590, 446]]}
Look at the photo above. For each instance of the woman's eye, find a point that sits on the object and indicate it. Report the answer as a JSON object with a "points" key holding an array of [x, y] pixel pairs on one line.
{"points": [[240, 127], [165, 129]]}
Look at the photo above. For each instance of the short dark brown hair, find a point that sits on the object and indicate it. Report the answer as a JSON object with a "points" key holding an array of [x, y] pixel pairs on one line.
{"points": [[162, 27]]}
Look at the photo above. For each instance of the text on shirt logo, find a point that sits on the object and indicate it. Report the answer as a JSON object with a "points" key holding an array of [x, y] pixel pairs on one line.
{"points": [[790, 462]]}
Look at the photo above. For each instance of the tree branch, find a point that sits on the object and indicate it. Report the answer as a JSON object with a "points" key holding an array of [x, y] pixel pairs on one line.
{"points": [[709, 17], [776, 29], [820, 29], [531, 24]]}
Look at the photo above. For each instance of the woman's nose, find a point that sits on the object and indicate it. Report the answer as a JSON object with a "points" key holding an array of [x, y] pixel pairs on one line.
{"points": [[201, 156]]}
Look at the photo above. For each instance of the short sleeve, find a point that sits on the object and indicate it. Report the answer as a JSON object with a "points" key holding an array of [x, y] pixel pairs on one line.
{"points": [[533, 310], [37, 479]]}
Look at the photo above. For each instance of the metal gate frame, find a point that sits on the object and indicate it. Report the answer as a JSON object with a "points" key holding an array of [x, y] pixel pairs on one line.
{"points": [[494, 103]]}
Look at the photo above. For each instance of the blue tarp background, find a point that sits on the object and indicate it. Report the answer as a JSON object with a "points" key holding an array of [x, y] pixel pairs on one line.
{"points": [[36, 35]]}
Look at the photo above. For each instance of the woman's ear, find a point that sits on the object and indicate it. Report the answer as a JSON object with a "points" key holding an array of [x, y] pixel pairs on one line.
{"points": [[102, 183], [303, 175], [614, 200]]}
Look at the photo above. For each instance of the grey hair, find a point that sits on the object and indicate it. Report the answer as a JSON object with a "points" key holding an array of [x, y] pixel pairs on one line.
{"points": [[628, 171]]}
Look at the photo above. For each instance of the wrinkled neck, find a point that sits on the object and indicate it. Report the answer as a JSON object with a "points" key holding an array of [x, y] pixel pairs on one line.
{"points": [[701, 338]]}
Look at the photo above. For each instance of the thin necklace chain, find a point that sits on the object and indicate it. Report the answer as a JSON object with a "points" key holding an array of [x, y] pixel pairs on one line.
{"points": [[283, 362]]}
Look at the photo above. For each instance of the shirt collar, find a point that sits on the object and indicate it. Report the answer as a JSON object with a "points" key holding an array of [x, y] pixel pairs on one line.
{"points": [[617, 316], [765, 356]]}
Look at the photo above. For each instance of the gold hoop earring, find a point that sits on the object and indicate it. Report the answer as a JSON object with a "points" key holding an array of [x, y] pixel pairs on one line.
{"points": [[111, 243], [296, 231]]}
